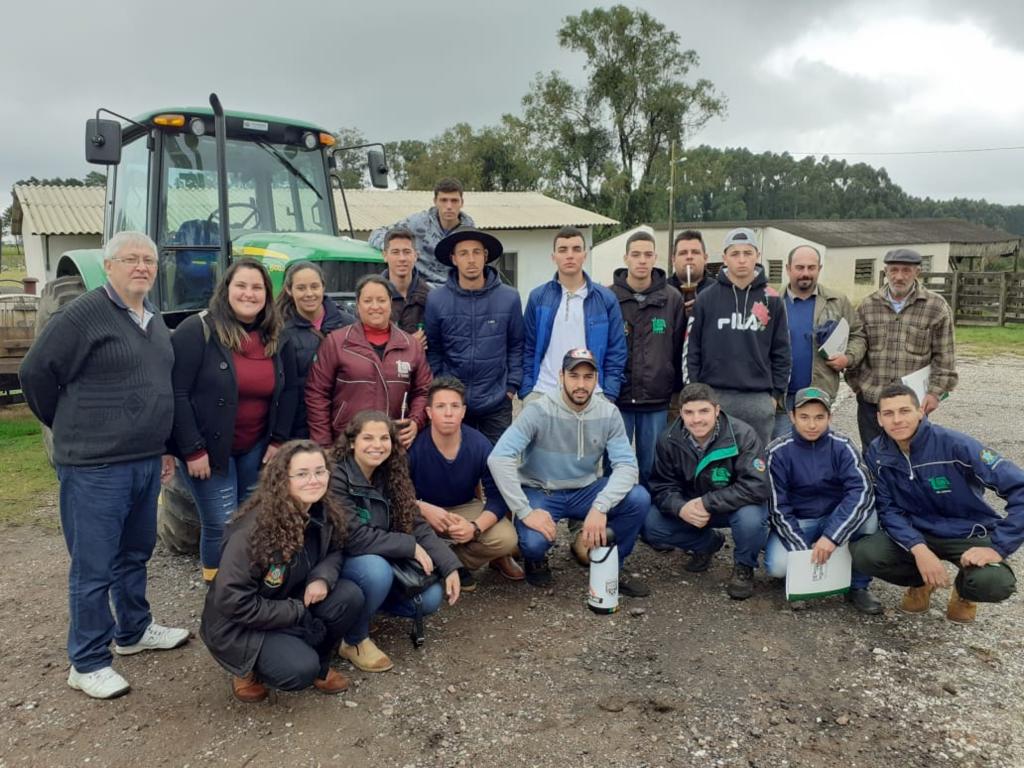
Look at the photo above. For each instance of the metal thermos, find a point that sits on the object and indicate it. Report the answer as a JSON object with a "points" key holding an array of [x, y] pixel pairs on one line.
{"points": [[604, 577]]}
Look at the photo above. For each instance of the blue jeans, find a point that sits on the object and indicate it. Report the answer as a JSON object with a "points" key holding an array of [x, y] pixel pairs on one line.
{"points": [[749, 526], [218, 496], [108, 517], [776, 553], [646, 426], [373, 575], [783, 424], [625, 518]]}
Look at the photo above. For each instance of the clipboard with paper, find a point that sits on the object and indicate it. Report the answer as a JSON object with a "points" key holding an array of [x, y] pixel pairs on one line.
{"points": [[807, 581], [837, 340], [918, 381]]}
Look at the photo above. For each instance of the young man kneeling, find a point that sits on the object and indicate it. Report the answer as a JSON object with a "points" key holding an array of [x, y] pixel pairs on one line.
{"points": [[821, 494]]}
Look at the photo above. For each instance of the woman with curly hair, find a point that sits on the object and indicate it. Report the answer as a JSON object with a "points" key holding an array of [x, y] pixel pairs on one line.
{"points": [[309, 315], [228, 383], [278, 607], [371, 478]]}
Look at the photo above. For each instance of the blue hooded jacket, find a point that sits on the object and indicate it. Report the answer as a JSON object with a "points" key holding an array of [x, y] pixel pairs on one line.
{"points": [[477, 336], [605, 333], [939, 490]]}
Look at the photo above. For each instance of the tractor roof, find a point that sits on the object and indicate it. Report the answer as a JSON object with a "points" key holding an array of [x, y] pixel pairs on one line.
{"points": [[146, 117]]}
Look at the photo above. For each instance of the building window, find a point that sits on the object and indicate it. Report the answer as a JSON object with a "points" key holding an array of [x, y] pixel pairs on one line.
{"points": [[507, 268], [926, 263], [864, 271], [712, 268], [774, 270]]}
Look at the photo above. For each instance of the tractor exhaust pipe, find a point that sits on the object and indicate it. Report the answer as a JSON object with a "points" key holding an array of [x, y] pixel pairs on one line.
{"points": [[220, 132]]}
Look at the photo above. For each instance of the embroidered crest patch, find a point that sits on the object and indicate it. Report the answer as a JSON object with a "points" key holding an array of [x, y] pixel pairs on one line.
{"points": [[403, 367], [658, 325], [989, 457], [759, 465], [940, 484], [274, 577], [720, 476]]}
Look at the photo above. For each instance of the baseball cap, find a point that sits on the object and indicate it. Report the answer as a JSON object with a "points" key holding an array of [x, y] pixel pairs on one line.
{"points": [[811, 395], [902, 256], [740, 236], [576, 357]]}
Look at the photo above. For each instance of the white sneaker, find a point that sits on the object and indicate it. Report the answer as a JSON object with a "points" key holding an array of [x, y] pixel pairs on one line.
{"points": [[102, 684], [155, 638]]}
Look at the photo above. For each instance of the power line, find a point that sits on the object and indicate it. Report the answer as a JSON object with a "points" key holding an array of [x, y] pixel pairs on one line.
{"points": [[913, 152]]}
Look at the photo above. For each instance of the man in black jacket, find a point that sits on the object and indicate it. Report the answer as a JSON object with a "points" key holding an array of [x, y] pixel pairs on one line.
{"points": [[409, 289], [709, 472], [738, 338], [99, 376], [654, 322]]}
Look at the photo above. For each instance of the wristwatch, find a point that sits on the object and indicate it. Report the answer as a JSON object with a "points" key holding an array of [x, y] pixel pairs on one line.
{"points": [[476, 528]]}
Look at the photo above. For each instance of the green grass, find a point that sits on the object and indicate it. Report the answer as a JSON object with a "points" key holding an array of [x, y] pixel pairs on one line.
{"points": [[990, 341], [12, 263], [28, 480]]}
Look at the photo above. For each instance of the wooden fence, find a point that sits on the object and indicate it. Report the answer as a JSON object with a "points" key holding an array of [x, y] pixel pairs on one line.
{"points": [[980, 298]]}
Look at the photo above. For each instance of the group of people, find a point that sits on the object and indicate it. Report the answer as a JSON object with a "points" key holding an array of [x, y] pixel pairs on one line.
{"points": [[344, 465]]}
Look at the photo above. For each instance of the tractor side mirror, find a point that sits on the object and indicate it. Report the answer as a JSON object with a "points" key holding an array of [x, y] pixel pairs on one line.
{"points": [[378, 168], [103, 142]]}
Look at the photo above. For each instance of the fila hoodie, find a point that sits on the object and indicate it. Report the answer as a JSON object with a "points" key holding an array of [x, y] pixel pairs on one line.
{"points": [[738, 338]]}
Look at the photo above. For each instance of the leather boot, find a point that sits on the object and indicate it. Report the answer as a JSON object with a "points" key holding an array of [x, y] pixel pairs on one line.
{"points": [[959, 610], [248, 689], [335, 682], [365, 655], [917, 599]]}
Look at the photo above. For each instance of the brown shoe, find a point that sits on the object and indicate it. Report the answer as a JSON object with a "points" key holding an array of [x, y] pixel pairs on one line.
{"points": [[335, 682], [917, 599], [959, 610], [366, 656], [248, 689], [580, 551], [509, 568]]}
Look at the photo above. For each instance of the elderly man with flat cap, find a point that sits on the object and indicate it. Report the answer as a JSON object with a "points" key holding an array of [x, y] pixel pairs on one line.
{"points": [[908, 328], [474, 325]]}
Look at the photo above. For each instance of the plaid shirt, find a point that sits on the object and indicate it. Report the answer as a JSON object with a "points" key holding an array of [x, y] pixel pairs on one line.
{"points": [[898, 344]]}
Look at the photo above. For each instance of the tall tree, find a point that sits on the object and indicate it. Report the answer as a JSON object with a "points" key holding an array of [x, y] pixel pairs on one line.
{"points": [[603, 140]]}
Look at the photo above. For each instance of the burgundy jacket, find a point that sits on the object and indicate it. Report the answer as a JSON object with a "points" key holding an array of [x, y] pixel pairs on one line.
{"points": [[347, 377]]}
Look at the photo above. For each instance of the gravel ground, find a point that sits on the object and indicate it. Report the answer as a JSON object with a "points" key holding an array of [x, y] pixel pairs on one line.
{"points": [[515, 676]]}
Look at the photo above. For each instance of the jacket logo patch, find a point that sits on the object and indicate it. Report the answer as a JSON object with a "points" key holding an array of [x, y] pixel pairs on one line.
{"points": [[720, 476], [759, 465], [940, 484], [404, 369], [363, 514], [274, 577], [989, 457], [658, 325]]}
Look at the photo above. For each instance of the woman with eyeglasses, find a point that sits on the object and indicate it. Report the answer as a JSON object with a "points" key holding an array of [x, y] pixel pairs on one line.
{"points": [[371, 479], [228, 382], [279, 607], [371, 364], [309, 315]]}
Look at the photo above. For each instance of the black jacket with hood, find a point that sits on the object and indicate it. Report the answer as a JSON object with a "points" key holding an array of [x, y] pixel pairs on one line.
{"points": [[655, 323], [730, 474], [738, 338]]}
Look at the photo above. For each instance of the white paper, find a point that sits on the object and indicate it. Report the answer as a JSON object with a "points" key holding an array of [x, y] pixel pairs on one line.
{"points": [[918, 381], [836, 343], [805, 581]]}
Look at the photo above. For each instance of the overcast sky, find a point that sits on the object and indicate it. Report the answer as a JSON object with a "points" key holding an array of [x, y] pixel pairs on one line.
{"points": [[799, 76]]}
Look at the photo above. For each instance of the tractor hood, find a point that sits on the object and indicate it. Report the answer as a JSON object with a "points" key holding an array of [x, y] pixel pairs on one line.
{"points": [[278, 250]]}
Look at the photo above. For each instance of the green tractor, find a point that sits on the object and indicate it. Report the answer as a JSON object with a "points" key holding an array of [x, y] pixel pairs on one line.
{"points": [[208, 186]]}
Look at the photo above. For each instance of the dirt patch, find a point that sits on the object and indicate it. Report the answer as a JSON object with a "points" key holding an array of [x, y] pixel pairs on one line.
{"points": [[514, 676]]}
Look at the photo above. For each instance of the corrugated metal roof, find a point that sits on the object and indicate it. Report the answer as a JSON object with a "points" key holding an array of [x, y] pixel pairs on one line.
{"points": [[372, 208], [57, 210], [846, 233], [60, 210]]}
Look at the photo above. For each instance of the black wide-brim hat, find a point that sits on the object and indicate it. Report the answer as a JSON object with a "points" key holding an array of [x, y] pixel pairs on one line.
{"points": [[443, 251]]}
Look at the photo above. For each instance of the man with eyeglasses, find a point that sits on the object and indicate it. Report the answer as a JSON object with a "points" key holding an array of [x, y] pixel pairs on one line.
{"points": [[99, 376], [456, 493]]}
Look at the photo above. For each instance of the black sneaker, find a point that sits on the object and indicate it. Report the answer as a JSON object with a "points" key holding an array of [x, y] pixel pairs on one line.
{"points": [[741, 583], [467, 579], [701, 561], [538, 572], [864, 601], [633, 588]]}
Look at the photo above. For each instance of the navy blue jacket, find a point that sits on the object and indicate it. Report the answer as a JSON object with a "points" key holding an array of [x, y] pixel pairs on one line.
{"points": [[299, 343], [939, 490], [477, 336], [810, 481], [605, 334]]}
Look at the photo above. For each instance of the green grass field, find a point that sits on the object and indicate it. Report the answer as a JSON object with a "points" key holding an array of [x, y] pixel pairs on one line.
{"points": [[12, 263], [982, 341], [27, 475]]}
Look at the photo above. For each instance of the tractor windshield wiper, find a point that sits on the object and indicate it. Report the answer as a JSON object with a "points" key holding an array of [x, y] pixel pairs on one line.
{"points": [[288, 164]]}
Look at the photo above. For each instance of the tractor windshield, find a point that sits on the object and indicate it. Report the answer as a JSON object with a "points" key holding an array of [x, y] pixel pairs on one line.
{"points": [[271, 188]]}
